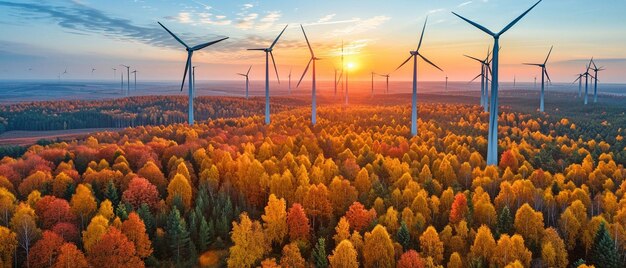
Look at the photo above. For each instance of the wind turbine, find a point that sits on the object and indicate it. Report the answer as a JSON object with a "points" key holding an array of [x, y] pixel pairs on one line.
{"points": [[580, 81], [190, 51], [387, 77], [587, 74], [114, 73], [446, 82], [484, 78], [373, 73], [414, 55], [65, 72], [122, 83], [492, 146], [135, 74], [92, 69], [289, 87], [193, 76], [247, 81], [268, 52], [127, 78], [313, 82], [595, 88], [544, 74]]}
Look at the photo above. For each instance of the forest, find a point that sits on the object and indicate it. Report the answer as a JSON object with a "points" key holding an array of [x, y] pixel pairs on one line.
{"points": [[355, 190]]}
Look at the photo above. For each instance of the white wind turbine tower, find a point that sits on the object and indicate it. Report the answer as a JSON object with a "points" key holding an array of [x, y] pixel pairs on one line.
{"points": [[492, 144], [484, 78], [190, 51], [595, 88], [313, 82], [268, 53], [127, 78], [580, 86], [247, 80], [586, 74], [135, 74], [289, 78], [544, 75], [386, 76], [414, 55]]}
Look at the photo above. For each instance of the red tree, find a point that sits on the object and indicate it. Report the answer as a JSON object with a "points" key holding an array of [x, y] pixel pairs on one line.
{"points": [[52, 210], [410, 259], [115, 250], [459, 208], [46, 250], [141, 191], [359, 217], [298, 223], [68, 231]]}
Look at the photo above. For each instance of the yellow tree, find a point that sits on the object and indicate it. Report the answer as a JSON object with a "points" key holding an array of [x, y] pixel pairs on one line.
{"points": [[484, 244], [455, 260], [83, 204], [275, 220], [529, 224], [24, 225], [95, 230], [106, 209], [509, 250], [553, 250], [8, 244], [249, 244], [7, 205], [292, 256], [179, 187], [344, 256], [431, 245], [342, 230], [378, 250]]}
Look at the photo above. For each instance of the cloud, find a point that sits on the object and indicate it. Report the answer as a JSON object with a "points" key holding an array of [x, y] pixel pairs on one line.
{"points": [[182, 17], [465, 4], [362, 25], [433, 11], [247, 6], [269, 19], [83, 19], [247, 21], [326, 18]]}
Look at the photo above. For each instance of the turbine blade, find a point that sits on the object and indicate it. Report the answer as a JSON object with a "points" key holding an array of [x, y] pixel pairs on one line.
{"points": [[476, 25], [547, 75], [186, 69], [422, 36], [546, 61], [276, 40], [473, 58], [479, 75], [304, 73], [275, 69], [518, 18], [407, 60], [533, 64], [198, 47], [339, 79], [248, 72], [173, 35], [307, 41], [429, 62], [241, 74], [261, 49]]}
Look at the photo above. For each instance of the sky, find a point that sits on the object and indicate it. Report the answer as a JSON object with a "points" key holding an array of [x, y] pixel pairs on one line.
{"points": [[40, 39]]}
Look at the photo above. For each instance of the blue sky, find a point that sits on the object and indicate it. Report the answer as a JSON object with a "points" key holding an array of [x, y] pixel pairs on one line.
{"points": [[49, 36]]}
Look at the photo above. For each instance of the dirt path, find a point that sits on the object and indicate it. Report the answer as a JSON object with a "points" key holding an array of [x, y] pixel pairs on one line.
{"points": [[18, 137]]}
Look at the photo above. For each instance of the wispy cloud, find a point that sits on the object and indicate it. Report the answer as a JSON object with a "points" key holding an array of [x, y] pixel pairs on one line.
{"points": [[326, 18], [362, 25], [268, 20], [81, 19], [433, 11], [465, 4]]}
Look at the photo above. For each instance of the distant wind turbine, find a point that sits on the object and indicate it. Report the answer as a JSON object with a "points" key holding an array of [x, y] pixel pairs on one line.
{"points": [[414, 55], [289, 83], [135, 74], [247, 80], [114, 73], [92, 70], [484, 78], [587, 75], [580, 82], [268, 53], [313, 82], [595, 88], [127, 78], [387, 77], [492, 146], [190, 51], [65, 72], [446, 82], [373, 73], [544, 75]]}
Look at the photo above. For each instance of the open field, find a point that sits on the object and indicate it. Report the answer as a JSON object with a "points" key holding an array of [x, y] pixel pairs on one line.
{"points": [[18, 137]]}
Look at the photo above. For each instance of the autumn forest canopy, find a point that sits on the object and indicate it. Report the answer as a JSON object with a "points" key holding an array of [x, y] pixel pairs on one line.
{"points": [[355, 190]]}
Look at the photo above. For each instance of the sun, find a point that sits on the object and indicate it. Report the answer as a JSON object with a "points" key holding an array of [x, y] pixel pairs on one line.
{"points": [[351, 65]]}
